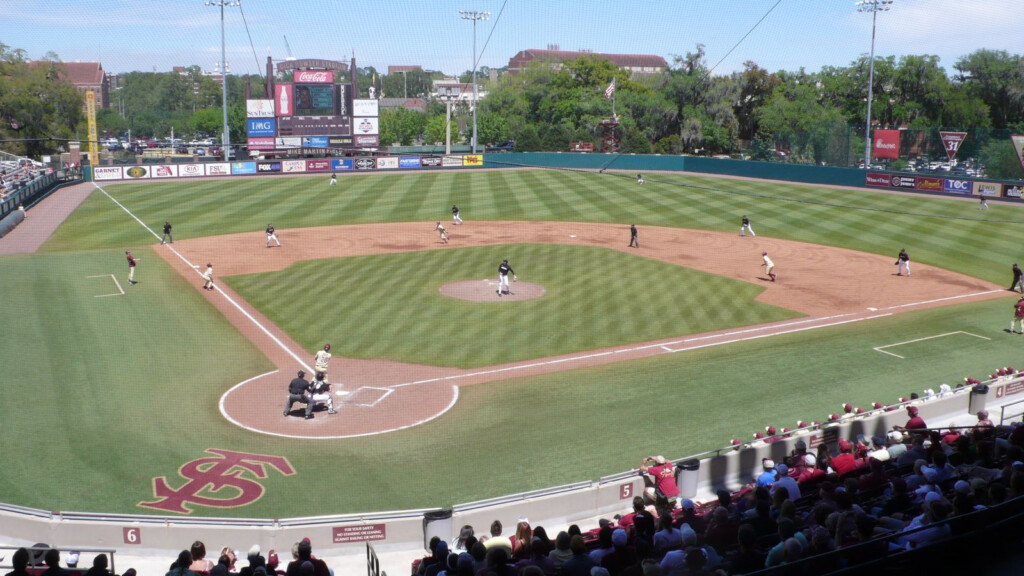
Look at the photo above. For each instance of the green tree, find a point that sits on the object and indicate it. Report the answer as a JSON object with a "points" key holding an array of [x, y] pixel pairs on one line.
{"points": [[634, 142], [39, 108], [997, 78], [401, 125], [1001, 161]]}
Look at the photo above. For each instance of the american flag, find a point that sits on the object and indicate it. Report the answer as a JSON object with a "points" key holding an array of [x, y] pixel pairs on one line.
{"points": [[610, 90]]}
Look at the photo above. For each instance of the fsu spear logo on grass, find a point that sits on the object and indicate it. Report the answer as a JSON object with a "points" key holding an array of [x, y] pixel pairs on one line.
{"points": [[218, 481]]}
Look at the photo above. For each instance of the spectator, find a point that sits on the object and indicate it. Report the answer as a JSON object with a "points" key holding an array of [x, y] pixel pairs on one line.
{"points": [[622, 554], [661, 478], [580, 563], [767, 477], [913, 454], [915, 424], [561, 553], [199, 561], [181, 566], [721, 531], [459, 542], [786, 482], [541, 534], [52, 559], [496, 539], [787, 529], [521, 541], [984, 429], [845, 463], [748, 559], [272, 564], [604, 544], [19, 561], [689, 516], [667, 537], [99, 566], [875, 479], [479, 554], [305, 552]]}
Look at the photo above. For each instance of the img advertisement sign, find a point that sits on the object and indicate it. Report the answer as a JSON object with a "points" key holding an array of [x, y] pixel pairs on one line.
{"points": [[951, 141], [218, 169], [409, 162], [341, 164], [367, 140], [952, 186], [472, 160], [366, 126], [322, 165], [451, 161], [106, 173], [260, 126], [243, 167], [903, 181], [284, 99], [886, 144]]}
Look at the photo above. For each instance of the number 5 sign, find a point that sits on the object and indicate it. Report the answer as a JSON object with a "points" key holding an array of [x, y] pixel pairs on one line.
{"points": [[132, 535], [626, 491]]}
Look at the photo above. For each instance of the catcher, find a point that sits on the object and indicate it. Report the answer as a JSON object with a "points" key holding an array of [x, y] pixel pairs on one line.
{"points": [[320, 393], [503, 271]]}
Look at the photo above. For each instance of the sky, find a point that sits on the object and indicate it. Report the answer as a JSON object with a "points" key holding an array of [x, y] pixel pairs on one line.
{"points": [[148, 35]]}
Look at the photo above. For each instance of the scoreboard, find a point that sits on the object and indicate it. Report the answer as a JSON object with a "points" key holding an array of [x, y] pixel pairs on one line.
{"points": [[317, 100]]}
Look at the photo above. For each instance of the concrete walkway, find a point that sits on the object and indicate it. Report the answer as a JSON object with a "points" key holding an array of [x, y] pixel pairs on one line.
{"points": [[43, 219]]}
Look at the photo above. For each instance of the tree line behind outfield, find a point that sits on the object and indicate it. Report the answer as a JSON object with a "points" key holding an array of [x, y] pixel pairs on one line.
{"points": [[814, 116]]}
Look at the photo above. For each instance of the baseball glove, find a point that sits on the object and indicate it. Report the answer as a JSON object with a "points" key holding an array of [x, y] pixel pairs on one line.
{"points": [[515, 278]]}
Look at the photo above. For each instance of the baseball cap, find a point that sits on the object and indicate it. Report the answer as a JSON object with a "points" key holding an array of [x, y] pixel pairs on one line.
{"points": [[847, 407], [912, 410], [770, 430], [782, 469], [768, 463], [844, 445], [688, 504], [659, 459], [619, 538], [895, 436]]}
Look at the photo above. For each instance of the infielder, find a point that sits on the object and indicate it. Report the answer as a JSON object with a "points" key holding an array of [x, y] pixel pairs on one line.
{"points": [[455, 215], [272, 235], [167, 233], [320, 360], [320, 392], [208, 276], [745, 227], [903, 261], [131, 267], [334, 178], [634, 242], [443, 231], [503, 271], [769, 266]]}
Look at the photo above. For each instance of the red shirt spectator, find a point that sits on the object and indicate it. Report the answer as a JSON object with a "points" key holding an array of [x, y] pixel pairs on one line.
{"points": [[664, 475], [845, 462]]}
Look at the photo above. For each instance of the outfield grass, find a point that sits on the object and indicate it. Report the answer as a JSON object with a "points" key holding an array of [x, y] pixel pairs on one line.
{"points": [[116, 391], [397, 312]]}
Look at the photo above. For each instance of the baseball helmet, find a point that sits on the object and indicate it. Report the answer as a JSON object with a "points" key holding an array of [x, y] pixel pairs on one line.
{"points": [[505, 261], [208, 265], [764, 253], [301, 373], [327, 347]]}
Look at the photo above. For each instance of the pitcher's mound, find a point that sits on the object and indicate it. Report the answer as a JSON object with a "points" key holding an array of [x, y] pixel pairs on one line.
{"points": [[487, 291]]}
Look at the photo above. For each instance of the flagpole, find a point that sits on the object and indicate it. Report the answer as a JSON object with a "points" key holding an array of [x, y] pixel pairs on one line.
{"points": [[613, 98]]}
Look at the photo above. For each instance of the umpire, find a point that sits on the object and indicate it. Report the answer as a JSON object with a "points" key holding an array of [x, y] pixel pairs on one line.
{"points": [[1017, 283], [297, 390]]}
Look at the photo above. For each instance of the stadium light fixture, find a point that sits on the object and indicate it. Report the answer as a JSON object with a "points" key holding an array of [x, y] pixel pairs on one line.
{"points": [[874, 7], [474, 16], [226, 137]]}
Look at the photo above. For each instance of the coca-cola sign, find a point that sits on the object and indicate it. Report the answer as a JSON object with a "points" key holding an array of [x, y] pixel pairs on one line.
{"points": [[314, 76]]}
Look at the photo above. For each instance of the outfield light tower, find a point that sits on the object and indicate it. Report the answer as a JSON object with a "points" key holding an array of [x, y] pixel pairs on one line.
{"points": [[874, 7], [226, 138], [474, 16]]}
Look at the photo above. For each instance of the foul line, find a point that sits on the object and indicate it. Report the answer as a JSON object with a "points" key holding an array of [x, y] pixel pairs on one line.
{"points": [[222, 293], [944, 299], [116, 283], [882, 348]]}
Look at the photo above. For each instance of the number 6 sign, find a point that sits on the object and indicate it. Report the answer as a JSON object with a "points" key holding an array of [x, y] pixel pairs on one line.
{"points": [[132, 535]]}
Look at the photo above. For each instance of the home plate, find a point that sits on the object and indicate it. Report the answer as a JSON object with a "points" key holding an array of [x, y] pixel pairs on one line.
{"points": [[340, 392], [873, 309], [572, 235]]}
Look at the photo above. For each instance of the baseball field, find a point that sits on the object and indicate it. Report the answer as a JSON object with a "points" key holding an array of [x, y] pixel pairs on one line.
{"points": [[612, 354]]}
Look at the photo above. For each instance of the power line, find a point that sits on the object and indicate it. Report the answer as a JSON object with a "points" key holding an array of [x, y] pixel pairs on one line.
{"points": [[744, 36], [251, 46]]}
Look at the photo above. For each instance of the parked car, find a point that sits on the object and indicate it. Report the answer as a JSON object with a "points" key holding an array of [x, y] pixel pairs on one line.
{"points": [[181, 149], [216, 151], [200, 152], [506, 146]]}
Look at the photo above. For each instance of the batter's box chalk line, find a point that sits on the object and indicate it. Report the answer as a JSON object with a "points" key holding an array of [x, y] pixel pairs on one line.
{"points": [[367, 396]]}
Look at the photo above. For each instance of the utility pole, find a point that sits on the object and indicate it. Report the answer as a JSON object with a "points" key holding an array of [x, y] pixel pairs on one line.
{"points": [[474, 16], [874, 7], [226, 138]]}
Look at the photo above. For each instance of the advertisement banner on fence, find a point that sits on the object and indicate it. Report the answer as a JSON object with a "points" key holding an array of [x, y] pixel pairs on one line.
{"points": [[367, 140], [339, 142], [952, 186], [268, 167], [243, 167], [284, 99], [430, 161], [107, 173], [1013, 190], [367, 108], [365, 163], [929, 184], [387, 163], [218, 169], [136, 172], [986, 189], [164, 171], [886, 144], [318, 165], [315, 142], [876, 179], [190, 170], [259, 108], [260, 144], [1018, 147], [409, 162], [260, 126], [451, 161], [472, 160], [951, 141], [293, 166], [341, 164], [903, 181]]}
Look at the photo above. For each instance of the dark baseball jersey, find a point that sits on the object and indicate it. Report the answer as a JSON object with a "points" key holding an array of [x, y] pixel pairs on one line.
{"points": [[131, 260], [504, 269], [270, 230]]}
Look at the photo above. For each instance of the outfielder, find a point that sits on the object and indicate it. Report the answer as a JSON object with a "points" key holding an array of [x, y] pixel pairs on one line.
{"points": [[503, 271], [131, 267], [208, 276], [745, 227], [455, 215], [903, 261], [769, 266], [272, 235], [320, 360], [443, 231], [334, 178], [639, 178]]}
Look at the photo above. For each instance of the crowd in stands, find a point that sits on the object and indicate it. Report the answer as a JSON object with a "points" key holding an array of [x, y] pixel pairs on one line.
{"points": [[16, 175], [814, 512]]}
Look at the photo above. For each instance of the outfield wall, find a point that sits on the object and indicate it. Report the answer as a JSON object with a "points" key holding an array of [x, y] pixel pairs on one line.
{"points": [[583, 502]]}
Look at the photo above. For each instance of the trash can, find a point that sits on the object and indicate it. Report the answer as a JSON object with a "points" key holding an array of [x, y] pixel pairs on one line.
{"points": [[979, 395], [687, 473], [437, 523]]}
